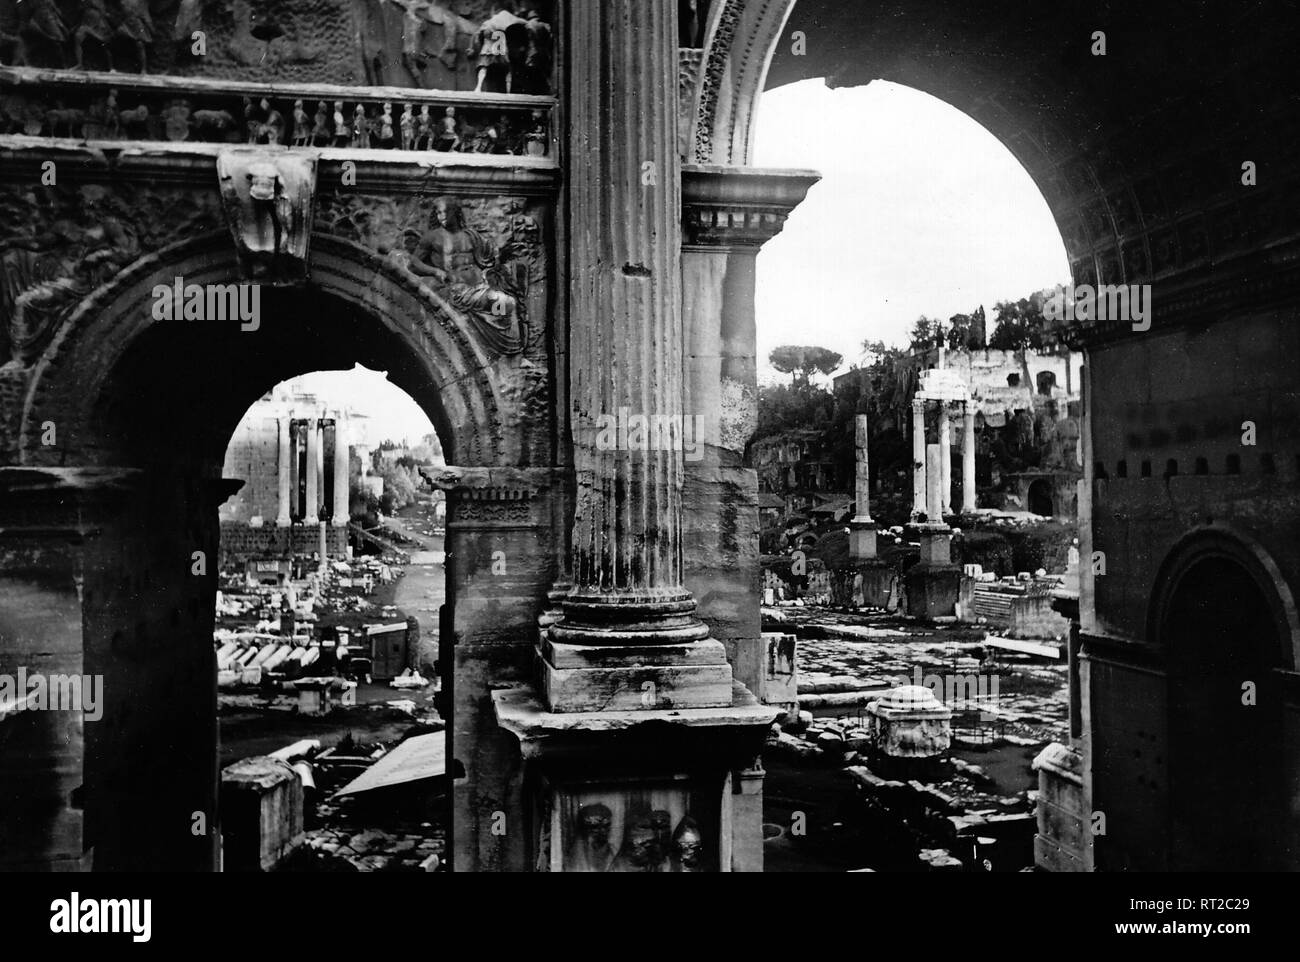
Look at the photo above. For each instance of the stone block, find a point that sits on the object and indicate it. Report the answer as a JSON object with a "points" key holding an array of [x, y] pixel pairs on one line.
{"points": [[261, 814], [933, 590], [627, 685]]}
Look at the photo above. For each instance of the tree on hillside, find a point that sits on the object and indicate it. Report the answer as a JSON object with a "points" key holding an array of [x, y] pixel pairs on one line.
{"points": [[801, 362], [786, 407], [1020, 325], [927, 332]]}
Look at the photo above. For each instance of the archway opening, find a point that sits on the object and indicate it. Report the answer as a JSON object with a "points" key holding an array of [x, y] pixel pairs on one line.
{"points": [[1225, 724], [331, 582], [927, 244], [1040, 498], [164, 415]]}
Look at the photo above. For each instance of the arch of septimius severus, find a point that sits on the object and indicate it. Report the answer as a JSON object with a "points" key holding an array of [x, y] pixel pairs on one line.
{"points": [[530, 244]]}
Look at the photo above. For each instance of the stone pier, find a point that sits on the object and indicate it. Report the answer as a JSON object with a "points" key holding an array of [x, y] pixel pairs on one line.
{"points": [[636, 727]]}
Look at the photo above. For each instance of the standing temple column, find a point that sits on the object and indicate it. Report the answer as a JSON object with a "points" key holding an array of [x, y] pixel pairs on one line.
{"points": [[312, 511], [918, 458], [945, 460], [862, 487], [626, 305], [968, 504], [934, 475], [284, 519], [342, 473]]}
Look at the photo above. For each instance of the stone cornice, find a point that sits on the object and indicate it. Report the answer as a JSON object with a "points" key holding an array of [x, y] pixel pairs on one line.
{"points": [[195, 165], [72, 80], [1256, 281], [492, 484], [61, 503], [739, 207]]}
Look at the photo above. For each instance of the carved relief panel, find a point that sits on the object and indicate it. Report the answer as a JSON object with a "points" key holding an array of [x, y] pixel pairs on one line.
{"points": [[487, 45], [482, 258], [634, 825]]}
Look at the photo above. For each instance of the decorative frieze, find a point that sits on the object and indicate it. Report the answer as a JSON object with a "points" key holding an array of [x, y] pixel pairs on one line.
{"points": [[98, 107]]}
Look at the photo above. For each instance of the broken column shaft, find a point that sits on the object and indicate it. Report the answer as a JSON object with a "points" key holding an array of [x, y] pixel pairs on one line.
{"points": [[862, 529]]}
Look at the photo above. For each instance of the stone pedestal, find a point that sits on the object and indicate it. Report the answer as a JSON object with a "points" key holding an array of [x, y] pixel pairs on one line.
{"points": [[641, 791], [874, 583], [936, 544], [1063, 842], [579, 678], [910, 728], [934, 583], [862, 540], [261, 814]]}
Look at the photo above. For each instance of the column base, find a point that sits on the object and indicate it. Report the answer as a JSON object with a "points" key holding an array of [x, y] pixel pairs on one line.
{"points": [[640, 791], [862, 540], [582, 678], [933, 590], [936, 543]]}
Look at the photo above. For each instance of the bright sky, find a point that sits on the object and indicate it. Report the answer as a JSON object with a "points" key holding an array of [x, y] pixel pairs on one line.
{"points": [[394, 415], [920, 211]]}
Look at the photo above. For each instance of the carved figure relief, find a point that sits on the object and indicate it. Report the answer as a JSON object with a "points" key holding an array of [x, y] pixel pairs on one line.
{"points": [[499, 46], [591, 851], [118, 113], [485, 282], [642, 828], [483, 258], [268, 198], [58, 245], [425, 44]]}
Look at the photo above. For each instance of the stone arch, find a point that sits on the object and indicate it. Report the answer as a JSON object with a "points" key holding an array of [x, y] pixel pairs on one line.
{"points": [[1221, 618], [434, 359], [1038, 498], [1225, 543], [1136, 200], [739, 43]]}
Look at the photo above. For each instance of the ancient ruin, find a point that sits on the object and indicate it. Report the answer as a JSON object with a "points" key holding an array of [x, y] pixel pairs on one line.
{"points": [[532, 216]]}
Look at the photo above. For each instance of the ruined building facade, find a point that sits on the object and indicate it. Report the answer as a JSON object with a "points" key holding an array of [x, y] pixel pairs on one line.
{"points": [[293, 455], [534, 218]]}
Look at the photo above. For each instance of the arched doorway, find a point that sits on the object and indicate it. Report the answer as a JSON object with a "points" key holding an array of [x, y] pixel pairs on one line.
{"points": [[1040, 498], [1226, 762], [150, 405]]}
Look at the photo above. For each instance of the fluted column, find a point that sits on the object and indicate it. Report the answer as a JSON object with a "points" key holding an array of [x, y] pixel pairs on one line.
{"points": [[312, 511], [918, 458], [342, 472], [968, 503], [934, 475], [285, 518], [626, 338], [945, 459]]}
